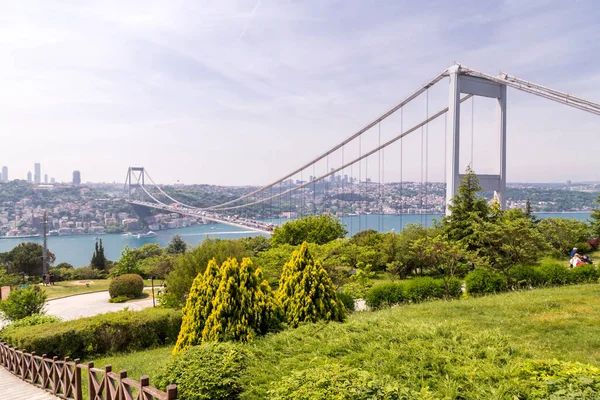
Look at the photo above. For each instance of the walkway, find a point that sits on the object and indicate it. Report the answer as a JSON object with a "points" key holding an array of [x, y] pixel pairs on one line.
{"points": [[90, 304], [14, 388]]}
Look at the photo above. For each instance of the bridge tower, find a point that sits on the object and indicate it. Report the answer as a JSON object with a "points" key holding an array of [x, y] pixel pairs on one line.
{"points": [[476, 86], [138, 175]]}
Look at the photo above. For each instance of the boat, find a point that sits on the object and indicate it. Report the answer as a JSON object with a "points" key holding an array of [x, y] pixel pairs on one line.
{"points": [[127, 235], [37, 235], [150, 234]]}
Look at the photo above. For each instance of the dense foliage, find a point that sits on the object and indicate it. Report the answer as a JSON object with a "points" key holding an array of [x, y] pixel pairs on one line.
{"points": [[306, 292], [105, 333], [206, 372], [98, 260], [34, 319], [230, 302], [23, 303], [26, 259], [319, 230], [129, 285]]}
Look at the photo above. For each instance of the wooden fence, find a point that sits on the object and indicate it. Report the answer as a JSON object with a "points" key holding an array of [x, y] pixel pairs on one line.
{"points": [[63, 378]]}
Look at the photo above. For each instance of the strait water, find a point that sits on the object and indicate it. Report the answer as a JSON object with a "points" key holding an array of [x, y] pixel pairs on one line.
{"points": [[77, 250]]}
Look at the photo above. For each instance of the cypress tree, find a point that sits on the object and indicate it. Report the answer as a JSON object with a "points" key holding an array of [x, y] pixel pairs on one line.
{"points": [[595, 220], [306, 292]]}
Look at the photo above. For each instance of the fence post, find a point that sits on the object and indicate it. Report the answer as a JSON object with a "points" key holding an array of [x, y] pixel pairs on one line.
{"points": [[121, 386], [77, 391], [65, 377], [44, 372], [144, 381], [23, 365], [172, 392], [33, 367], [107, 385], [91, 382]]}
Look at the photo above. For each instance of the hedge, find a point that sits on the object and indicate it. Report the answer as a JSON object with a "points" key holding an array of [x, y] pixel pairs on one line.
{"points": [[106, 333], [414, 290], [483, 281]]}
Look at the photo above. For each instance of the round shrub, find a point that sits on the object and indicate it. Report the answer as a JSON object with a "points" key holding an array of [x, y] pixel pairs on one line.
{"points": [[525, 276], [130, 285], [205, 372], [23, 303], [553, 273], [482, 281], [335, 382], [425, 288], [385, 295]]}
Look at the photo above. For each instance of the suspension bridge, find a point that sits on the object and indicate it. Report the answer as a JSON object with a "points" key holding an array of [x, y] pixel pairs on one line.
{"points": [[348, 188]]}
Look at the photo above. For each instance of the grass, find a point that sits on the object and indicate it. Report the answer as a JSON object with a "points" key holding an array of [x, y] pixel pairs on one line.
{"points": [[469, 347], [68, 288]]}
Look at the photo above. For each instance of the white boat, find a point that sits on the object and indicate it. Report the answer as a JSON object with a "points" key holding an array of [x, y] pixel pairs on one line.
{"points": [[127, 235], [150, 234]]}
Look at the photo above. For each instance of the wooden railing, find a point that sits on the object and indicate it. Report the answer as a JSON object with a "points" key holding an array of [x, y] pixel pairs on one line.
{"points": [[62, 378]]}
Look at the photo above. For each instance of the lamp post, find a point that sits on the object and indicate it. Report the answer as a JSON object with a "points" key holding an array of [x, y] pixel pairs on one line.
{"points": [[153, 302]]}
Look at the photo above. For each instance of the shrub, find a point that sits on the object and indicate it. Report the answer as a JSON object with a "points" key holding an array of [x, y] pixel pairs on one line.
{"points": [[454, 287], [209, 371], [35, 319], [88, 273], [23, 303], [106, 333], [335, 382], [483, 281], [425, 288], [594, 243], [347, 299], [584, 274], [553, 379], [385, 295], [525, 276], [126, 285], [553, 273], [120, 299]]}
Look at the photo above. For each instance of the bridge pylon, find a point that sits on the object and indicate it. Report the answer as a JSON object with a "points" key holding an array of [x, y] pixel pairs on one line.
{"points": [[135, 179], [476, 86]]}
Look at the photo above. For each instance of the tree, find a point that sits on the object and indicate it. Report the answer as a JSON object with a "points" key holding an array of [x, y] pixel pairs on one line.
{"points": [[130, 258], [447, 258], [319, 230], [232, 302], [562, 234], [306, 292], [511, 240], [26, 259], [467, 209], [157, 267], [176, 245], [7, 279], [22, 303], [98, 260], [595, 220]]}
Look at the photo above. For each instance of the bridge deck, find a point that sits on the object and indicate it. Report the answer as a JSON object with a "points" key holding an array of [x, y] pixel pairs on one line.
{"points": [[14, 388]]}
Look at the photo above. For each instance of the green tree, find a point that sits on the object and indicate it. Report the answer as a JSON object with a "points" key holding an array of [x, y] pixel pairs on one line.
{"points": [[157, 267], [447, 258], [127, 263], [306, 291], [595, 220], [27, 259], [176, 245], [467, 209], [7, 279], [23, 303], [319, 230], [232, 302], [98, 260], [509, 241], [562, 234]]}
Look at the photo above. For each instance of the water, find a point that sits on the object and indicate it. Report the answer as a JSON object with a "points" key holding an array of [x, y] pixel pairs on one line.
{"points": [[77, 250]]}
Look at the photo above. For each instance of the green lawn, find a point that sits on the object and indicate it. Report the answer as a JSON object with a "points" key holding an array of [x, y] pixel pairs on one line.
{"points": [[67, 288], [470, 346]]}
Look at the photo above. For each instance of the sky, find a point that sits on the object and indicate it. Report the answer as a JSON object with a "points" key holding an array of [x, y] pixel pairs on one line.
{"points": [[241, 92]]}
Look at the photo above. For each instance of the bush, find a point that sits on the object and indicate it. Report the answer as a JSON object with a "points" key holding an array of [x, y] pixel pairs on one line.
{"points": [[385, 295], [126, 285], [454, 287], [483, 281], [553, 273], [106, 333], [584, 274], [525, 276], [335, 382], [35, 319], [23, 303], [209, 371], [553, 379], [120, 299], [347, 299], [425, 288], [594, 243]]}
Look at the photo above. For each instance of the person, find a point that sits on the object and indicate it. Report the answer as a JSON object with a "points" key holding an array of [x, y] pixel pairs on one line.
{"points": [[573, 252], [576, 261]]}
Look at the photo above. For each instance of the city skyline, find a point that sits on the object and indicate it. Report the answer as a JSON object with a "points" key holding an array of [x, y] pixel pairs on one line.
{"points": [[238, 93]]}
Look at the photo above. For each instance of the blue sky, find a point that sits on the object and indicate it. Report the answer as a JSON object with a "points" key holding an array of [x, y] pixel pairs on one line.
{"points": [[240, 92]]}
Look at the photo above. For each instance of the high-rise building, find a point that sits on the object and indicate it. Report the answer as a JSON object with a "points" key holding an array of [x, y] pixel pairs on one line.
{"points": [[76, 178], [52, 181], [45, 179], [37, 177], [332, 176], [1, 178], [5, 174], [29, 176]]}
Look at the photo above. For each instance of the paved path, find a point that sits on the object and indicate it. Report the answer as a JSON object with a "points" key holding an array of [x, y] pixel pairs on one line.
{"points": [[90, 304], [14, 388]]}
